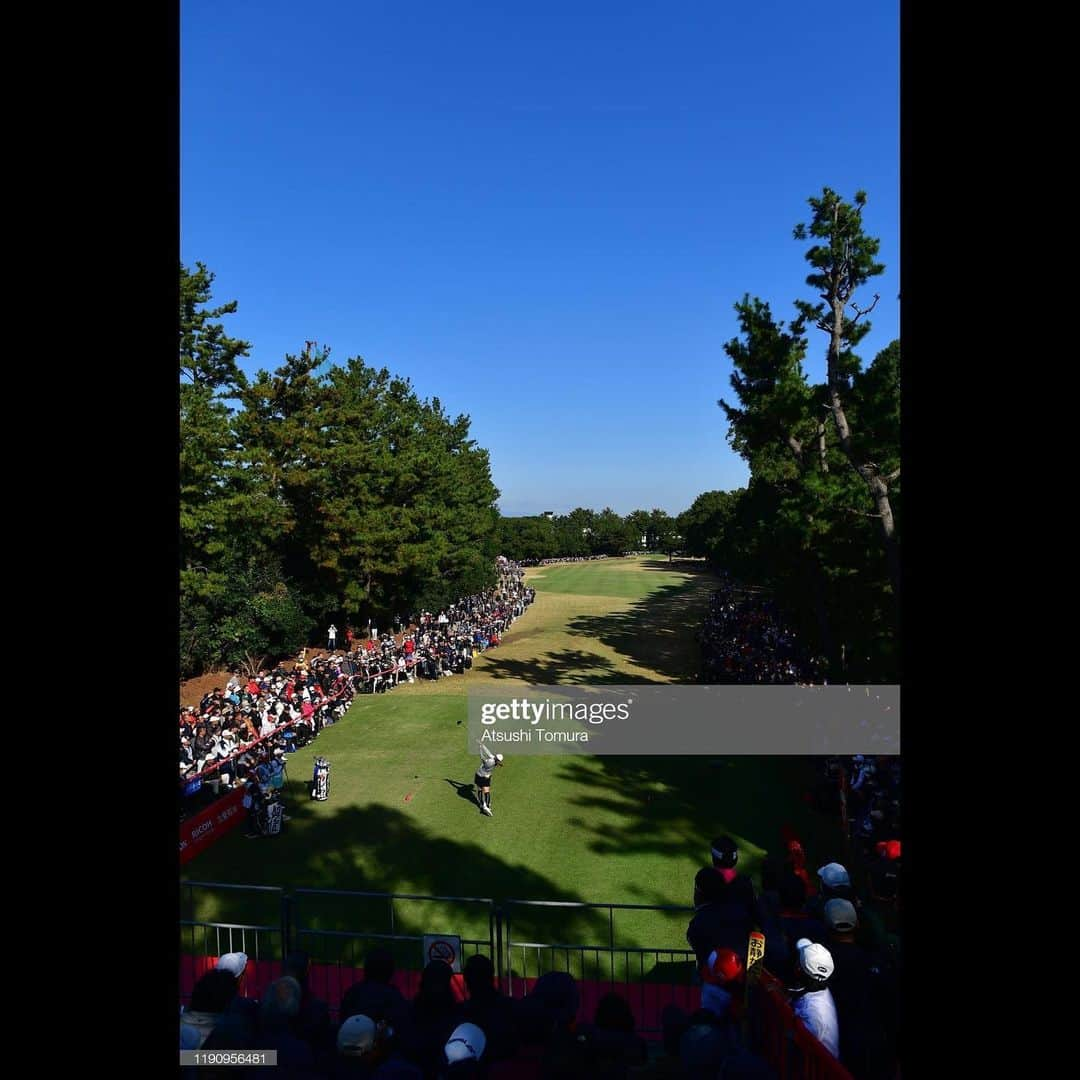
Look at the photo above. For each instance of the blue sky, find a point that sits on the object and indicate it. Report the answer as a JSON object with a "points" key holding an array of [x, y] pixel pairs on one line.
{"points": [[540, 213]]}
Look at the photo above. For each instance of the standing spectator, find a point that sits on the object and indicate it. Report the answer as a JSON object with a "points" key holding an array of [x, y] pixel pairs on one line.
{"points": [[332, 635], [721, 918], [725, 857], [811, 1000], [857, 986], [348, 639]]}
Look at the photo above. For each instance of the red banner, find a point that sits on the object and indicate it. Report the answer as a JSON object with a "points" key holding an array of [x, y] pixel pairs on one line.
{"points": [[200, 831]]}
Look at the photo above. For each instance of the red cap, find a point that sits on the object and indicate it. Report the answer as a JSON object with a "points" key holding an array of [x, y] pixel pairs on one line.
{"points": [[722, 966], [890, 849]]}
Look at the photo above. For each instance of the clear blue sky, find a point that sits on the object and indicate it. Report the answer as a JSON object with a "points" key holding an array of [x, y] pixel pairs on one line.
{"points": [[540, 213]]}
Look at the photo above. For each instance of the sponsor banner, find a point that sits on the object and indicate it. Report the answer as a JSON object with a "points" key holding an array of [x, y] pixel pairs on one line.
{"points": [[649, 720], [199, 832]]}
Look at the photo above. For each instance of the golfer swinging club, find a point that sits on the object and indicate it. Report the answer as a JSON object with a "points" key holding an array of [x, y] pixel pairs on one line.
{"points": [[488, 763]]}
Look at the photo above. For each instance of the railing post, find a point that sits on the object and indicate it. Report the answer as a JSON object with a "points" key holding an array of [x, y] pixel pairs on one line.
{"points": [[498, 915], [286, 926]]}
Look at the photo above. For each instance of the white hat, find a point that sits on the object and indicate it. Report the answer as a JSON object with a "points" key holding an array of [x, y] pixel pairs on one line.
{"points": [[356, 1035], [815, 960], [834, 874], [466, 1043], [498, 757], [235, 963]]}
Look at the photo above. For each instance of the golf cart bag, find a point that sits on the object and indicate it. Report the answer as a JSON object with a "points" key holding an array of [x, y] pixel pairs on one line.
{"points": [[320, 780], [269, 819]]}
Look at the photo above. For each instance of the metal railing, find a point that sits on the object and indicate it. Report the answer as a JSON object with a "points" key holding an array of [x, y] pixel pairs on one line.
{"points": [[648, 977]]}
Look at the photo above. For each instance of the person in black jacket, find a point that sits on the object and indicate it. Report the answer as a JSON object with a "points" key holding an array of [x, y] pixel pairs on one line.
{"points": [[489, 1010], [721, 920], [375, 996]]}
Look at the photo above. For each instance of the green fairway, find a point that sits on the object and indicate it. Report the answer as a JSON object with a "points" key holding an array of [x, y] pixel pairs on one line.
{"points": [[401, 818]]}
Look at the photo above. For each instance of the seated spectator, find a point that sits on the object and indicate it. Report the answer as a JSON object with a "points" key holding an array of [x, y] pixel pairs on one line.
{"points": [[210, 1000], [611, 1046], [277, 1022], [463, 1054], [375, 996], [489, 1010], [434, 1014], [366, 1049], [810, 997], [313, 1023]]}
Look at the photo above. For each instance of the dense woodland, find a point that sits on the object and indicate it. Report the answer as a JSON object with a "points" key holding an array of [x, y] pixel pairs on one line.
{"points": [[322, 492]]}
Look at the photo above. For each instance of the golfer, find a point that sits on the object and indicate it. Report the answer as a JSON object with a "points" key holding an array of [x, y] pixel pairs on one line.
{"points": [[488, 764]]}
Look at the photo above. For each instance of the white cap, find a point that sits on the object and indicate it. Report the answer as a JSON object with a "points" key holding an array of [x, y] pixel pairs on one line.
{"points": [[356, 1035], [498, 757], [235, 963], [834, 874], [815, 960], [466, 1043]]}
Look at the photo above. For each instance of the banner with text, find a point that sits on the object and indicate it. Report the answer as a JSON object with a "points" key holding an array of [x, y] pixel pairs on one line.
{"points": [[201, 830]]}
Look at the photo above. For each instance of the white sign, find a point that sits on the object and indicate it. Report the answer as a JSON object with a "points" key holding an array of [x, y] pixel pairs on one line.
{"points": [[443, 947]]}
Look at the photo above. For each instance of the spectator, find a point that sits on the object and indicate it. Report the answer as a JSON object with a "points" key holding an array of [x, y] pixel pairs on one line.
{"points": [[795, 920], [375, 996], [366, 1049], [463, 1054], [489, 1010], [721, 918], [313, 1023], [611, 1046], [725, 857], [811, 1000], [277, 1028], [210, 1000], [434, 1015], [331, 635], [858, 989]]}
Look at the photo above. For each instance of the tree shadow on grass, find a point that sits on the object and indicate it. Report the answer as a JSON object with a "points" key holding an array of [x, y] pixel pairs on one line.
{"points": [[675, 805], [659, 631], [567, 667]]}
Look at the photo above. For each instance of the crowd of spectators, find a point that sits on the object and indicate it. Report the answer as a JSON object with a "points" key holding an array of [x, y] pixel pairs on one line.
{"points": [[831, 941], [743, 640], [244, 730], [448, 1030], [562, 559]]}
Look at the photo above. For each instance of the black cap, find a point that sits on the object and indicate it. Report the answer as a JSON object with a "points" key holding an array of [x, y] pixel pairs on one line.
{"points": [[724, 852]]}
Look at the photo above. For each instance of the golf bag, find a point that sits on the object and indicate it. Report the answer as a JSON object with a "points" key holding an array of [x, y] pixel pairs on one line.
{"points": [[320, 780], [269, 818]]}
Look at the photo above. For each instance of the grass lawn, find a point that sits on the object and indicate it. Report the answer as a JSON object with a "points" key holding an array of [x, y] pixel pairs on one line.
{"points": [[400, 817]]}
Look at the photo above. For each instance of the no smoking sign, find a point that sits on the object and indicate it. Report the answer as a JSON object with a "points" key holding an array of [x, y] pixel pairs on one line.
{"points": [[445, 947]]}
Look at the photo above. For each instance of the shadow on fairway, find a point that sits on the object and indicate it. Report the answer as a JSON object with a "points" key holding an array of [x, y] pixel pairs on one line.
{"points": [[569, 666], [659, 631], [377, 849], [677, 804]]}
